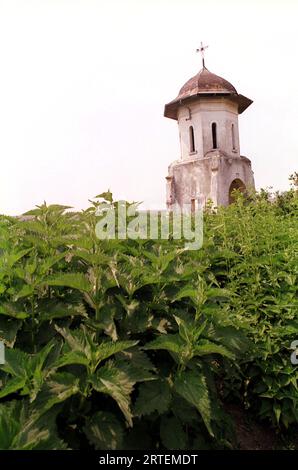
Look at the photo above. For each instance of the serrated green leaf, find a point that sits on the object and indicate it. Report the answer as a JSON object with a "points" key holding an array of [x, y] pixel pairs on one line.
{"points": [[12, 386], [30, 369], [57, 389], [168, 342], [49, 262], [137, 358], [205, 347], [186, 292], [9, 328], [21, 428], [12, 258], [73, 280], [104, 431], [153, 396], [72, 357], [16, 362], [53, 310], [107, 196], [83, 348], [192, 386], [107, 349], [12, 309], [118, 384], [26, 291]]}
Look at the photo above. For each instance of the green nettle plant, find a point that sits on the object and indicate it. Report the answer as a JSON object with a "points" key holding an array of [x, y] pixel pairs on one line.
{"points": [[142, 344]]}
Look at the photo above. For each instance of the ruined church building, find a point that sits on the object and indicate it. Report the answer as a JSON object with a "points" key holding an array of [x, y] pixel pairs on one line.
{"points": [[210, 165]]}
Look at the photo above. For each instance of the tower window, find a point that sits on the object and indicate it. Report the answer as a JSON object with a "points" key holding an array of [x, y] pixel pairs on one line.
{"points": [[233, 137], [191, 140], [214, 135], [193, 205]]}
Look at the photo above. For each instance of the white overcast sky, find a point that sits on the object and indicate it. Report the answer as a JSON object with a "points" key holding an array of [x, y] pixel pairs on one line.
{"points": [[83, 84]]}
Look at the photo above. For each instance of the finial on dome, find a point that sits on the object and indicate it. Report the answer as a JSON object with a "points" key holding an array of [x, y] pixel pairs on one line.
{"points": [[202, 50]]}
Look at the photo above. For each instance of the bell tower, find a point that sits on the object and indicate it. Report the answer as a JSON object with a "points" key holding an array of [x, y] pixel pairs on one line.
{"points": [[210, 164]]}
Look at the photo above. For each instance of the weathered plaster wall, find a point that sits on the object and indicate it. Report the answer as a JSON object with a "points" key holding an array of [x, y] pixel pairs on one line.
{"points": [[207, 173], [201, 115], [206, 178]]}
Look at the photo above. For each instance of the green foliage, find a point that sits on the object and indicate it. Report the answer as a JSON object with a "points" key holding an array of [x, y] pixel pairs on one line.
{"points": [[22, 428], [172, 433], [192, 386], [153, 396], [104, 431], [126, 344]]}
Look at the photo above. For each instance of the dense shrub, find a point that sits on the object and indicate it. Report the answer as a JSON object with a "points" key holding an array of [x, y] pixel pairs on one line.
{"points": [[138, 343]]}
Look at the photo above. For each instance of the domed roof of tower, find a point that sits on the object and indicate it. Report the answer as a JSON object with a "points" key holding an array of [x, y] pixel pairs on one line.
{"points": [[205, 83]]}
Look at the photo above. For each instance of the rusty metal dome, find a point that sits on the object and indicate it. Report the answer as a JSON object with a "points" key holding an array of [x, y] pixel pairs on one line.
{"points": [[205, 83]]}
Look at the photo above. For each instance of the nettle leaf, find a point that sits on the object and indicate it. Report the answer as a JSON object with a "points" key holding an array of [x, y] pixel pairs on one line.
{"points": [[172, 433], [138, 358], [9, 328], [107, 196], [117, 383], [73, 280], [28, 371], [106, 322], [216, 293], [76, 340], [12, 309], [136, 364], [104, 431], [10, 259], [130, 306], [230, 337], [21, 428], [82, 348], [186, 292], [72, 357], [107, 349], [12, 386], [45, 265], [9, 423], [57, 389], [172, 343], [25, 291], [160, 261], [205, 347], [192, 386], [50, 310], [16, 362], [135, 372], [89, 257], [183, 410], [153, 396], [53, 209], [190, 331]]}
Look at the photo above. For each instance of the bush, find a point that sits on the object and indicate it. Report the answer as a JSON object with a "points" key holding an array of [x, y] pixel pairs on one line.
{"points": [[126, 344]]}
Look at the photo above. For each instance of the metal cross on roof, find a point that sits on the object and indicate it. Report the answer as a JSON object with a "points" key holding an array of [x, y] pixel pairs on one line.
{"points": [[202, 50]]}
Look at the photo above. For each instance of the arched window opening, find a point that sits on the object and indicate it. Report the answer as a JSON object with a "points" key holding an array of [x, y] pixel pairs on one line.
{"points": [[214, 135], [191, 140], [233, 137], [193, 205], [237, 185]]}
